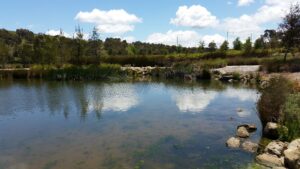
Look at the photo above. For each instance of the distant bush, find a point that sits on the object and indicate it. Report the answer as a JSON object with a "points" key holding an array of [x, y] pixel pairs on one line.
{"points": [[279, 65], [273, 98]]}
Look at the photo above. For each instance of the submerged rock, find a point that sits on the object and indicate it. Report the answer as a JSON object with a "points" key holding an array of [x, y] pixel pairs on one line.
{"points": [[250, 146], [275, 148], [242, 132], [271, 130], [233, 142], [292, 155], [270, 160]]}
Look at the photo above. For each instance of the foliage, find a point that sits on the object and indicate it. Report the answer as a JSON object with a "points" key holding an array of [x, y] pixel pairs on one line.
{"points": [[290, 29], [224, 46], [277, 65], [273, 98], [212, 46], [248, 46], [237, 44], [291, 116]]}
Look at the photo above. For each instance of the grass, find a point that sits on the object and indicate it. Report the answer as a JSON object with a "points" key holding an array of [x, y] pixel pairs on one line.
{"points": [[291, 117], [273, 98]]}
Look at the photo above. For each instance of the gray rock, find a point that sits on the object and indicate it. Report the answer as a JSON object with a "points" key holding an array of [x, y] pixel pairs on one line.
{"points": [[250, 146], [242, 132], [270, 160], [233, 142], [250, 127], [275, 148], [271, 130], [292, 155]]}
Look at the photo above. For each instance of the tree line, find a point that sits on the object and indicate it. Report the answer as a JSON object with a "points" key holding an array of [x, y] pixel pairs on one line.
{"points": [[24, 47]]}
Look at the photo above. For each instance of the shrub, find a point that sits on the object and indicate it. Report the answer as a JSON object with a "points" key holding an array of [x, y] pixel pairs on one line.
{"points": [[273, 99], [291, 116]]}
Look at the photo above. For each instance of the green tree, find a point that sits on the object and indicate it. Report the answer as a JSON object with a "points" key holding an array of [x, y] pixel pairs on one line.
{"points": [[4, 54], [79, 47], [201, 47], [212, 46], [290, 29], [248, 46], [95, 46], [225, 46], [237, 44], [259, 43]]}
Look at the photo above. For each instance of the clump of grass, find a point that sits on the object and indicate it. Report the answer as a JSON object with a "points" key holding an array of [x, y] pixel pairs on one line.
{"points": [[273, 98], [291, 117]]}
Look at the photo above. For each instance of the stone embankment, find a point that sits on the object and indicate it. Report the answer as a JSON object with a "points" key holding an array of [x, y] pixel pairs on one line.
{"points": [[246, 74]]}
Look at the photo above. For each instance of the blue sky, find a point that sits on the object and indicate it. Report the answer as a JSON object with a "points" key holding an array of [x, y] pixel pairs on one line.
{"points": [[155, 21]]}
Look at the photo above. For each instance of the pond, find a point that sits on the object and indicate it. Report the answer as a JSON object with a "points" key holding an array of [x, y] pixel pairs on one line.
{"points": [[123, 125]]}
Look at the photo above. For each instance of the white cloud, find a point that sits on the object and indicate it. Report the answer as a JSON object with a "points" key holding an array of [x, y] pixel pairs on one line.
{"points": [[185, 38], [245, 2], [129, 39], [195, 16], [57, 32], [218, 39], [245, 25], [113, 21]]}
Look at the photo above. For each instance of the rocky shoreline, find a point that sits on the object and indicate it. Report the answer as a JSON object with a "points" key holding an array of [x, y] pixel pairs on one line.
{"points": [[276, 155]]}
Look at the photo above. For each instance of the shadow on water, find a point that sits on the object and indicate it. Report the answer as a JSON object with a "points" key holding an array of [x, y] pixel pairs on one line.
{"points": [[159, 124]]}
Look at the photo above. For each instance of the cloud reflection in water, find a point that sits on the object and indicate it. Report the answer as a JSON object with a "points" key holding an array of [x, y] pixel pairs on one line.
{"points": [[115, 97], [193, 100]]}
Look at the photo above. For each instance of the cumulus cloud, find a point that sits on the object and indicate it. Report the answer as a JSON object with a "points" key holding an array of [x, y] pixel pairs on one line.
{"points": [[57, 32], [116, 21], [195, 16], [185, 38], [218, 39], [245, 2], [246, 24]]}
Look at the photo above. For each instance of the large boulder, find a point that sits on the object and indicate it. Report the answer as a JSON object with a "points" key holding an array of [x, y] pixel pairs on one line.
{"points": [[271, 130], [250, 146], [292, 155], [276, 148], [270, 160], [233, 142], [242, 132]]}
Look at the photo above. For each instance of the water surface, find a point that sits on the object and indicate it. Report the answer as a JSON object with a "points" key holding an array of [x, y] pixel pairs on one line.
{"points": [[141, 125]]}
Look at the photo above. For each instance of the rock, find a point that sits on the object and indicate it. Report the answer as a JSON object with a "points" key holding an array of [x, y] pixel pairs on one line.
{"points": [[270, 160], [271, 130], [294, 144], [250, 127], [233, 142], [250, 146], [275, 148], [292, 155], [188, 77], [226, 77], [242, 132]]}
